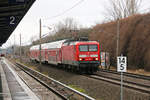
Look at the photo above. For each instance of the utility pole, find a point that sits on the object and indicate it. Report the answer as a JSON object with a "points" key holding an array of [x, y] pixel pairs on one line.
{"points": [[14, 44], [118, 32], [40, 40], [20, 48]]}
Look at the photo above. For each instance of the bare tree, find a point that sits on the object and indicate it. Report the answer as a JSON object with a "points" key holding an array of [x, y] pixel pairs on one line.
{"points": [[122, 8], [62, 30], [65, 28], [66, 25], [34, 39]]}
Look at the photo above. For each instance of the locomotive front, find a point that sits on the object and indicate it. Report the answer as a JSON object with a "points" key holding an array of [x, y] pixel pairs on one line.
{"points": [[88, 56]]}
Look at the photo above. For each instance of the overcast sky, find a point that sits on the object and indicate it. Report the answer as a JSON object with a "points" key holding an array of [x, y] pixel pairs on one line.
{"points": [[87, 13]]}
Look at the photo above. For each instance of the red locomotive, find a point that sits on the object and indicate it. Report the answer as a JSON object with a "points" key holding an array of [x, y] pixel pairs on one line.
{"points": [[83, 56]]}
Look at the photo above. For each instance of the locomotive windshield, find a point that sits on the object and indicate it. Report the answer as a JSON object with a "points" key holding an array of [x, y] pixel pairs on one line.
{"points": [[92, 47], [83, 47], [88, 47]]}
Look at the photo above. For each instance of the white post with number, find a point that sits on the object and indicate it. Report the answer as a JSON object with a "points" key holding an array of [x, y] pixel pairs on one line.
{"points": [[121, 67]]}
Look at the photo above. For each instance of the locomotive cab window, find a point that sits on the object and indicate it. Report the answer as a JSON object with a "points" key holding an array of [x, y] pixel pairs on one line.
{"points": [[88, 47], [92, 47], [83, 47]]}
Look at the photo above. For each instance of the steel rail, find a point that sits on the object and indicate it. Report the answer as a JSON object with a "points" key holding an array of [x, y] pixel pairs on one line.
{"points": [[127, 74], [54, 84], [131, 85], [42, 82], [128, 82]]}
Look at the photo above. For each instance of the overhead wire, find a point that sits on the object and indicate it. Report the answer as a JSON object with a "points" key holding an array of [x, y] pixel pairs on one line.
{"points": [[65, 11], [62, 13]]}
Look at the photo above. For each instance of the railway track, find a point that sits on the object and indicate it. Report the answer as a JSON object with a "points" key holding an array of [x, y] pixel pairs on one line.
{"points": [[127, 74], [128, 83], [58, 88]]}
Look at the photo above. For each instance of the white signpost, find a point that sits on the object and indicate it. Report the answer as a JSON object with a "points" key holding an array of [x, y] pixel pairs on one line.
{"points": [[121, 67]]}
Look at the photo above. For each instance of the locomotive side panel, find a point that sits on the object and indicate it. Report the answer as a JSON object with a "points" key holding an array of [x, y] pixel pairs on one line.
{"points": [[69, 55]]}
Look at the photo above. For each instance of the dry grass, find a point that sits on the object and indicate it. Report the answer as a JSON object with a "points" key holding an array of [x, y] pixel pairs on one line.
{"points": [[32, 67], [134, 40], [139, 71]]}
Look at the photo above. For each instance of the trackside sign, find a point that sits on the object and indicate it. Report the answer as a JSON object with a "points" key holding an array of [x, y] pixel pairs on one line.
{"points": [[121, 64]]}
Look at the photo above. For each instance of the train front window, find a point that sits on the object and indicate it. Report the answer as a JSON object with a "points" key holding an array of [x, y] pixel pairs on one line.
{"points": [[83, 47], [92, 47]]}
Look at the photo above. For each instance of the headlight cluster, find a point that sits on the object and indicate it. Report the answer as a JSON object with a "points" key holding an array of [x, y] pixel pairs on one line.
{"points": [[80, 59], [96, 58]]}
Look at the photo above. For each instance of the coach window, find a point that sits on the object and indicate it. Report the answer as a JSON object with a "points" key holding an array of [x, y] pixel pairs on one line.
{"points": [[92, 47], [83, 47]]}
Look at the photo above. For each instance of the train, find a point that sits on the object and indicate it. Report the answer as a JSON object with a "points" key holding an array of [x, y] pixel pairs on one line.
{"points": [[78, 55]]}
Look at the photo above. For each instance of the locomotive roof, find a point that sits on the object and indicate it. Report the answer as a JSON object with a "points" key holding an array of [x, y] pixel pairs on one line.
{"points": [[86, 42], [76, 42]]}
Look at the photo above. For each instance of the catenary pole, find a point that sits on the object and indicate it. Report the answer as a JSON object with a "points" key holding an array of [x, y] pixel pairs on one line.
{"points": [[14, 44], [118, 32], [20, 49], [40, 39]]}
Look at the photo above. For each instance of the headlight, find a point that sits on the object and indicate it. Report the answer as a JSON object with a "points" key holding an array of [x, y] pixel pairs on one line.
{"points": [[82, 55], [93, 55], [96, 58], [80, 59]]}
